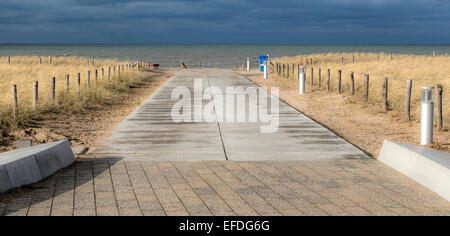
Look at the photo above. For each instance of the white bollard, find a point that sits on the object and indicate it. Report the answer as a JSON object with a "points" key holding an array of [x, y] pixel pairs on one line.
{"points": [[248, 64], [266, 73], [426, 116], [301, 80]]}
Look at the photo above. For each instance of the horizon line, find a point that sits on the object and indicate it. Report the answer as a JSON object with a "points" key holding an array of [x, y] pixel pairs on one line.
{"points": [[245, 44]]}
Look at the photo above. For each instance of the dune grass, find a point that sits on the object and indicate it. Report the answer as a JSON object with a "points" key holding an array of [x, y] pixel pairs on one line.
{"points": [[23, 71], [423, 70]]}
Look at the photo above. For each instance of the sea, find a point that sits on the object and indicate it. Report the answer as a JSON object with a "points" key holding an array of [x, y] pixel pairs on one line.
{"points": [[210, 55]]}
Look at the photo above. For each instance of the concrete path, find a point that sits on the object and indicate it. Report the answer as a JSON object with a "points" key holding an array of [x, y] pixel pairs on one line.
{"points": [[150, 134]]}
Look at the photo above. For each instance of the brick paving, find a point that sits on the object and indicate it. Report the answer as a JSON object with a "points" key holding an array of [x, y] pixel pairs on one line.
{"points": [[107, 187]]}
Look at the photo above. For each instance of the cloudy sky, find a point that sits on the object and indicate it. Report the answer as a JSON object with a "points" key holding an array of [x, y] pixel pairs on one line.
{"points": [[224, 21]]}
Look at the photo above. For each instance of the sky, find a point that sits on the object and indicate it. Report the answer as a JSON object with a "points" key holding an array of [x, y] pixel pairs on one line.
{"points": [[226, 21]]}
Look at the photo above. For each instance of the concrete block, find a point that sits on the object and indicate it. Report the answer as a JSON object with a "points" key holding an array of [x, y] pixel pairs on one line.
{"points": [[32, 164], [23, 171], [24, 143], [428, 167], [5, 181], [55, 157], [65, 153]]}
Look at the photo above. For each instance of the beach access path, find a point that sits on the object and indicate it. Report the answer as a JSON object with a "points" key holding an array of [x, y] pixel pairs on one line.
{"points": [[150, 165], [150, 133]]}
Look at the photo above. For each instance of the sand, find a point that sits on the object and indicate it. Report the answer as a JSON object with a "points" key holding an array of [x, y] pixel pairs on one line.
{"points": [[364, 126]]}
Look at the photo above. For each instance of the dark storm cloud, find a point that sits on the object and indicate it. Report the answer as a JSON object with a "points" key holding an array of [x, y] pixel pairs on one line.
{"points": [[228, 21]]}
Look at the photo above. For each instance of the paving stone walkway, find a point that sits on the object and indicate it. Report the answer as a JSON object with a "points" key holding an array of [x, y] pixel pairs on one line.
{"points": [[150, 166], [203, 188]]}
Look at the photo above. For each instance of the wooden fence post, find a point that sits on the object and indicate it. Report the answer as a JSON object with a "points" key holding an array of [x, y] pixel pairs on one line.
{"points": [[102, 74], [339, 82], [9, 59], [88, 79], [320, 77], [439, 121], [40, 60], [329, 80], [287, 71], [79, 82], [434, 53], [408, 100], [67, 83], [50, 60], [385, 94], [96, 76], [352, 83], [108, 74], [366, 88], [353, 59], [14, 101], [311, 61], [53, 89], [35, 94], [93, 61], [311, 82]]}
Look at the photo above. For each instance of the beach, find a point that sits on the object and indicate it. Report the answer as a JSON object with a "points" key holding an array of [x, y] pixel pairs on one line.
{"points": [[365, 124]]}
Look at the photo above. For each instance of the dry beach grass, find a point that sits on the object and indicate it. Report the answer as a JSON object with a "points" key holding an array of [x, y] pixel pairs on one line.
{"points": [[365, 124], [423, 70], [23, 71]]}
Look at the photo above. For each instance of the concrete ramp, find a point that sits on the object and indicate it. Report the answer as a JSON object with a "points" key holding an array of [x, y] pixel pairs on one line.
{"points": [[150, 133]]}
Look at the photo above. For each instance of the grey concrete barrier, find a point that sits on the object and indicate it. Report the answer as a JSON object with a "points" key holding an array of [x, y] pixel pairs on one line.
{"points": [[33, 164], [428, 167]]}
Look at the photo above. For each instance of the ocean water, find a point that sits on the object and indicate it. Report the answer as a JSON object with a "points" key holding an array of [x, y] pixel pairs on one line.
{"points": [[229, 56]]}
